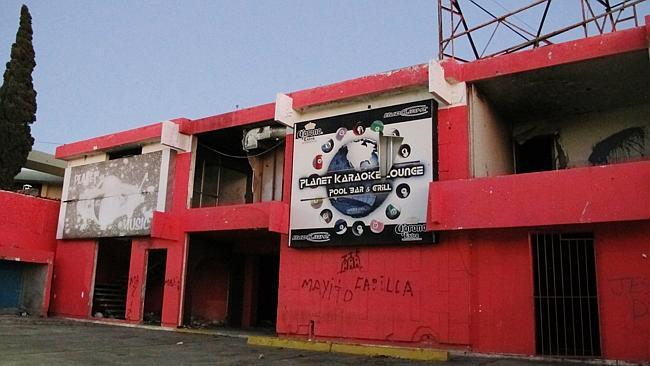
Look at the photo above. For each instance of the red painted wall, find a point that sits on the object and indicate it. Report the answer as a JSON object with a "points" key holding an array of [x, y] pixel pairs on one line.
{"points": [[623, 265], [581, 195], [412, 294], [27, 223], [502, 293], [173, 285], [28, 226], [74, 266]]}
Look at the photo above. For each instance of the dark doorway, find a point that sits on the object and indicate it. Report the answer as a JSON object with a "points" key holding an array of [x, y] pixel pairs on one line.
{"points": [[566, 303], [111, 278], [154, 286], [267, 300], [206, 291], [232, 280]]}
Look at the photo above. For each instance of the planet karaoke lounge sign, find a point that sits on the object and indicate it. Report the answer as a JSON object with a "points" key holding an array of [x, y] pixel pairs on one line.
{"points": [[362, 178]]}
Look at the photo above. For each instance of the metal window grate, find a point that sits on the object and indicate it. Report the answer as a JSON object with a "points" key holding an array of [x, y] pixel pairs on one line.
{"points": [[566, 306]]}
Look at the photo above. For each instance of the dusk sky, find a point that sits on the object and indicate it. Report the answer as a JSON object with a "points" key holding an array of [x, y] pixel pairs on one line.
{"points": [[106, 66]]}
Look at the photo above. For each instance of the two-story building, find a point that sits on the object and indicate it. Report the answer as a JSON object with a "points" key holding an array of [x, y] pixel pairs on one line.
{"points": [[495, 206]]}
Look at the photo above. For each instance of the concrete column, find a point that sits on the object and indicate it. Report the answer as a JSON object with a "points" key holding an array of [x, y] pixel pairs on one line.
{"points": [[137, 278], [174, 283], [251, 284]]}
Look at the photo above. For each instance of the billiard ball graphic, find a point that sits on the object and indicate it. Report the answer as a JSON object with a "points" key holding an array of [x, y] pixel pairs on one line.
{"points": [[328, 146], [392, 211], [403, 190], [377, 126], [317, 163], [340, 133], [326, 215], [340, 226], [358, 228], [405, 150], [376, 226], [359, 129]]}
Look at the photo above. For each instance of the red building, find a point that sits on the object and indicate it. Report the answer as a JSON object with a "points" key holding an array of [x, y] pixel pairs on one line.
{"points": [[519, 227]]}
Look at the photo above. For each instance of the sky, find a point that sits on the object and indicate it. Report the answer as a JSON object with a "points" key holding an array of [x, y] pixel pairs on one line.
{"points": [[107, 66]]}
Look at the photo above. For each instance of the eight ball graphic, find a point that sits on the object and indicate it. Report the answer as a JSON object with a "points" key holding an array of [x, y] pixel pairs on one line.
{"points": [[405, 150], [403, 190]]}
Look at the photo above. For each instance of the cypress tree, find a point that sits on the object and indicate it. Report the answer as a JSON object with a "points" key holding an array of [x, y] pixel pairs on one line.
{"points": [[17, 103]]}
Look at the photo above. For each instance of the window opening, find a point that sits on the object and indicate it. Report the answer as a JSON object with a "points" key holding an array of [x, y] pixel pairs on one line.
{"points": [[566, 304]]}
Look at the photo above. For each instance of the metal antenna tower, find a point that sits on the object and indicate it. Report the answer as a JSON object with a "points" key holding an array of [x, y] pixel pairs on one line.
{"points": [[456, 33]]}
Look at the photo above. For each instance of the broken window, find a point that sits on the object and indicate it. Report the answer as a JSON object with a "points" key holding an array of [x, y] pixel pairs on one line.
{"points": [[226, 174]]}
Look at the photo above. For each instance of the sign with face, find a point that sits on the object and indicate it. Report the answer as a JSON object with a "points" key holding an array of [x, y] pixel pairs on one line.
{"points": [[362, 178], [112, 198]]}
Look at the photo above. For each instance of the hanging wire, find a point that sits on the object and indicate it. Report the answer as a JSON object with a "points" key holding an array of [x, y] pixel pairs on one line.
{"points": [[49, 142], [243, 156]]}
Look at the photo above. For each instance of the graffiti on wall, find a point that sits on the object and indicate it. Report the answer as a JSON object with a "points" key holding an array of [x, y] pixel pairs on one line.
{"points": [[112, 198], [623, 145], [349, 281], [635, 290]]}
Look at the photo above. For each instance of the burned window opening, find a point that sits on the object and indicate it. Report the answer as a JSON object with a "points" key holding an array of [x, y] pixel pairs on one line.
{"points": [[540, 153]]}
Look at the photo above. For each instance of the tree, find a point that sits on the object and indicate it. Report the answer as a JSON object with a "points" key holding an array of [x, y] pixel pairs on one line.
{"points": [[17, 103]]}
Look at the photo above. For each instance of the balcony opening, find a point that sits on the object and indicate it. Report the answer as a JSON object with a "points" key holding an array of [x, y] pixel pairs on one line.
{"points": [[566, 303], [154, 286], [226, 174], [111, 278], [232, 280], [561, 117]]}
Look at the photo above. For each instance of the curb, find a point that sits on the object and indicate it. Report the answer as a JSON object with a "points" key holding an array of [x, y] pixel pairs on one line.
{"points": [[409, 353]]}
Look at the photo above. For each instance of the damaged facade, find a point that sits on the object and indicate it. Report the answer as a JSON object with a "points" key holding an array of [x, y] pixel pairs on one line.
{"points": [[494, 206]]}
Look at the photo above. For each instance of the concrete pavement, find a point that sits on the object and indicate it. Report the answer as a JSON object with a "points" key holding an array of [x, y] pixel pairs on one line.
{"points": [[33, 341]]}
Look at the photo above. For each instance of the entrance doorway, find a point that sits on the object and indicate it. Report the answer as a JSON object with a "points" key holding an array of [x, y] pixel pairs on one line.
{"points": [[232, 280], [267, 304], [154, 286], [111, 278], [566, 303]]}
